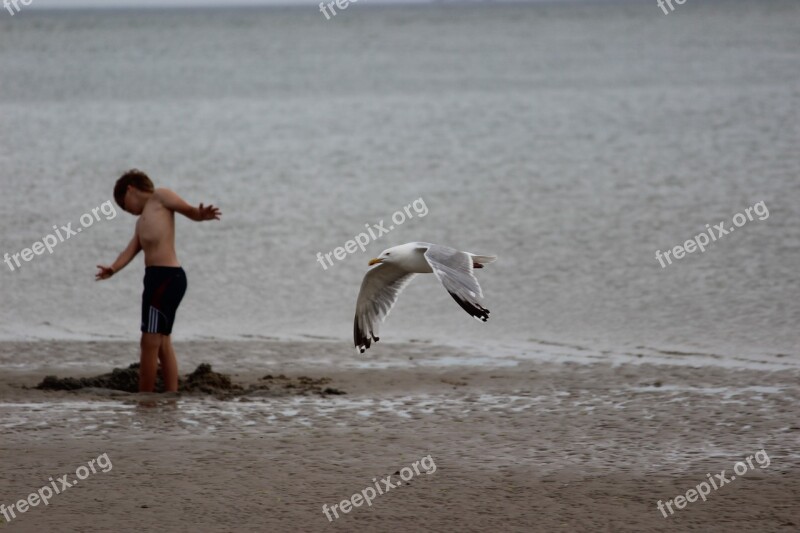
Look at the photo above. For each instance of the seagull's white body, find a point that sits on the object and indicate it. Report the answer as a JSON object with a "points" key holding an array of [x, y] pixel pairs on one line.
{"points": [[397, 266]]}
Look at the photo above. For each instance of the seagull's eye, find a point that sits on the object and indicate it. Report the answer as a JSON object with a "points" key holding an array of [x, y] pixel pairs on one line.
{"points": [[387, 253]]}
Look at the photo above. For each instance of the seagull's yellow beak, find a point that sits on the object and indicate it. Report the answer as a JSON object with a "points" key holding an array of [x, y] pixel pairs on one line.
{"points": [[375, 261]]}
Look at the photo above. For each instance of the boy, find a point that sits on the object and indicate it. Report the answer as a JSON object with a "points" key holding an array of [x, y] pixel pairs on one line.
{"points": [[164, 279]]}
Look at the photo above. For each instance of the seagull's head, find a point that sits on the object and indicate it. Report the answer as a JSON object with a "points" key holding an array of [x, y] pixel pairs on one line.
{"points": [[385, 257], [389, 255]]}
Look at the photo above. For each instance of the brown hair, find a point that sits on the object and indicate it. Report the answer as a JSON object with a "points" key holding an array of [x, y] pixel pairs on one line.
{"points": [[134, 177]]}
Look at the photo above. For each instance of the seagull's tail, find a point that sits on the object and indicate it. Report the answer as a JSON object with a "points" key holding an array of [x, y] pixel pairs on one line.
{"points": [[479, 260]]}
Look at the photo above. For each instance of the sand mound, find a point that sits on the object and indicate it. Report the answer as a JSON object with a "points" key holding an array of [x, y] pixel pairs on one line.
{"points": [[202, 381]]}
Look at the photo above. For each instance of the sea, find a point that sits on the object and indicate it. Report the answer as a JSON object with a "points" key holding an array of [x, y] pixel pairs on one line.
{"points": [[573, 140]]}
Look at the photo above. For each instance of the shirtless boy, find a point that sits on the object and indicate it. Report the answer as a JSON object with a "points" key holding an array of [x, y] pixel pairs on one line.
{"points": [[164, 279]]}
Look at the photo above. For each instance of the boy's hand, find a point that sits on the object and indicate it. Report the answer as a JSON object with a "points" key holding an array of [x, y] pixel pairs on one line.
{"points": [[105, 272], [209, 213]]}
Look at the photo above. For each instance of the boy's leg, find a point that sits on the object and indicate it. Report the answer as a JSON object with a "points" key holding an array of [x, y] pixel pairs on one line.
{"points": [[169, 364], [148, 363]]}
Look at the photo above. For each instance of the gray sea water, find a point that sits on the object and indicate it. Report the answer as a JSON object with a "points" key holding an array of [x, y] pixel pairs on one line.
{"points": [[573, 141]]}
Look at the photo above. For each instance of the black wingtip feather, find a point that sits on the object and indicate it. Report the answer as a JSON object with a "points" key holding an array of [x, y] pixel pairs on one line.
{"points": [[474, 310], [361, 340]]}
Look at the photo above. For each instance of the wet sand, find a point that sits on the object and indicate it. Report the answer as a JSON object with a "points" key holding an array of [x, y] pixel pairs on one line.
{"points": [[549, 443]]}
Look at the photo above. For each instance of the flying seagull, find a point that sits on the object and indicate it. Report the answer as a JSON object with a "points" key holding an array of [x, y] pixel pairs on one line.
{"points": [[397, 266]]}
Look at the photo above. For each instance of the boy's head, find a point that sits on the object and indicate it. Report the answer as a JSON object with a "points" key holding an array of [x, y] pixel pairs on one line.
{"points": [[132, 191]]}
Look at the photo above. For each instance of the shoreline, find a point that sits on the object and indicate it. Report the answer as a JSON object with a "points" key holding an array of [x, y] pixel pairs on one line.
{"points": [[430, 352]]}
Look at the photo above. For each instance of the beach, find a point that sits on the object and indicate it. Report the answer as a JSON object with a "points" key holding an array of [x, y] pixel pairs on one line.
{"points": [[547, 443], [635, 174]]}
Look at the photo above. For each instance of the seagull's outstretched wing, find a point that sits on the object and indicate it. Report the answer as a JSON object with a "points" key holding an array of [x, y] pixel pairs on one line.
{"points": [[379, 291], [454, 270]]}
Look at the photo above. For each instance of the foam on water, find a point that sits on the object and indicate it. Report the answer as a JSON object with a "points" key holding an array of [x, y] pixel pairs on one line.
{"points": [[193, 415]]}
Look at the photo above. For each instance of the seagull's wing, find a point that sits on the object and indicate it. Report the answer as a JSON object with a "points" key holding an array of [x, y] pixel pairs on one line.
{"points": [[454, 270], [379, 292]]}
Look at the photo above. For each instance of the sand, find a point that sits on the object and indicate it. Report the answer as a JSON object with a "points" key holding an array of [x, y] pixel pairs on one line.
{"points": [[519, 444]]}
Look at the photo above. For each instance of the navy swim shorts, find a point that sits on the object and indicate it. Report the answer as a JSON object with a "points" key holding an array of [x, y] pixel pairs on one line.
{"points": [[164, 288]]}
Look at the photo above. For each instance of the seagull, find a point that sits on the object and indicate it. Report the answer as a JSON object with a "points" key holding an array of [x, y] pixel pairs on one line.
{"points": [[397, 266]]}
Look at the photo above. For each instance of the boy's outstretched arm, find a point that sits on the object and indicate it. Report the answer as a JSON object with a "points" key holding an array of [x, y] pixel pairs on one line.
{"points": [[124, 258], [174, 202]]}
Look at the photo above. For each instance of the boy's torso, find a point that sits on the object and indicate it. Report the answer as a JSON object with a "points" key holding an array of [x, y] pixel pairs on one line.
{"points": [[156, 232]]}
